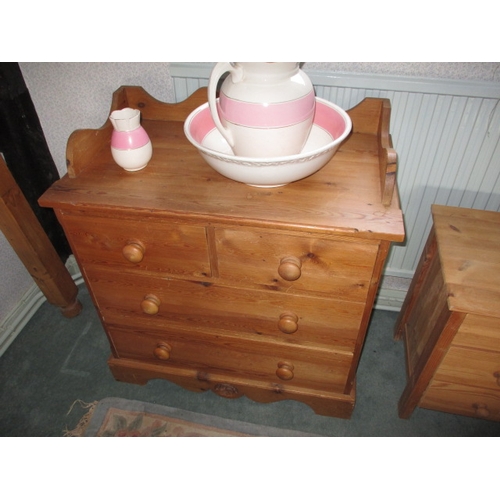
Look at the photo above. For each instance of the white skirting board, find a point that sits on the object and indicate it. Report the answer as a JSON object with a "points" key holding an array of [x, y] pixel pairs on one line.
{"points": [[26, 308], [391, 296], [392, 293]]}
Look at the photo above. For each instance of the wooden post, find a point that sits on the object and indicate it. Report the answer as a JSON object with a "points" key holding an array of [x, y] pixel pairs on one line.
{"points": [[25, 150], [28, 239]]}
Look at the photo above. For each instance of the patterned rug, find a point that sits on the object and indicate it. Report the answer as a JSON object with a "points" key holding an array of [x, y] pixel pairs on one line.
{"points": [[116, 417]]}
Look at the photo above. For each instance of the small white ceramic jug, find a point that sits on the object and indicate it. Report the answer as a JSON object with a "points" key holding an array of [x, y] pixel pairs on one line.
{"points": [[264, 110], [130, 144]]}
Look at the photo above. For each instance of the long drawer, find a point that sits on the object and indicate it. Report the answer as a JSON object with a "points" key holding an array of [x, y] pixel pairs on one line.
{"points": [[139, 245], [335, 267], [231, 356], [125, 299]]}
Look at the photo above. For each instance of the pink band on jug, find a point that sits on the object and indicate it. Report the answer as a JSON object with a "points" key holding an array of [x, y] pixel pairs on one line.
{"points": [[129, 140], [259, 115]]}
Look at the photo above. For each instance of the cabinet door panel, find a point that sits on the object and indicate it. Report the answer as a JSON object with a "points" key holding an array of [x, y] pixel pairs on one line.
{"points": [[425, 321]]}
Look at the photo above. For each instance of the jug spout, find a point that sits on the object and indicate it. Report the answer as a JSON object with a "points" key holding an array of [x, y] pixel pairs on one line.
{"points": [[126, 119]]}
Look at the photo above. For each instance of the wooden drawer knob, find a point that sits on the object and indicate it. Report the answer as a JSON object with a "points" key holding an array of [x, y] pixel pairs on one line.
{"points": [[134, 251], [497, 376], [150, 304], [481, 410], [288, 323], [285, 370], [162, 351], [290, 268]]}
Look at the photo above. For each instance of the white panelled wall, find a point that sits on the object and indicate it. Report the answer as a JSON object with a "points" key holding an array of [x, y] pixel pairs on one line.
{"points": [[446, 133]]}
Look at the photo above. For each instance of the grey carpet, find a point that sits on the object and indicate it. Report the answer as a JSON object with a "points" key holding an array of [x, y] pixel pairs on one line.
{"points": [[55, 361]]}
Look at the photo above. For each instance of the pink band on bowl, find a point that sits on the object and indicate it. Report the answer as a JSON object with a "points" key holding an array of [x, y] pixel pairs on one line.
{"points": [[129, 140], [328, 119], [202, 124]]}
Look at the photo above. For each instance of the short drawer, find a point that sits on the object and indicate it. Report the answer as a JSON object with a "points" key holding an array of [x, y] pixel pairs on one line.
{"points": [[231, 356], [462, 399], [125, 299], [146, 245], [471, 367], [296, 264]]}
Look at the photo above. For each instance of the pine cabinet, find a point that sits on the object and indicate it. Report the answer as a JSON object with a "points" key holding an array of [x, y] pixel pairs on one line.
{"points": [[450, 321]]}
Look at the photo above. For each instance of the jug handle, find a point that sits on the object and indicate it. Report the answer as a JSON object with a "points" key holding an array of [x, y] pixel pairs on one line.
{"points": [[217, 72]]}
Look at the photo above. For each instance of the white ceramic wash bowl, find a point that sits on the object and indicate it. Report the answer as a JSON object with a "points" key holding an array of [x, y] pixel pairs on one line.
{"points": [[331, 126]]}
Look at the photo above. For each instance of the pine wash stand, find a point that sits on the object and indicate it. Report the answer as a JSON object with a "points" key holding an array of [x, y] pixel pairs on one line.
{"points": [[216, 285]]}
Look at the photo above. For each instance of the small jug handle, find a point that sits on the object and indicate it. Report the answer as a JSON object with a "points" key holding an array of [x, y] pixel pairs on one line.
{"points": [[217, 72]]}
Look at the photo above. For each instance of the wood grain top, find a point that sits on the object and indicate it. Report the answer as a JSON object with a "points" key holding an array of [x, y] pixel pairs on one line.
{"points": [[469, 249], [344, 197]]}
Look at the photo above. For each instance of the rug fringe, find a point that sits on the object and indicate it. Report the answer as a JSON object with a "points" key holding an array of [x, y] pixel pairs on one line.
{"points": [[84, 421]]}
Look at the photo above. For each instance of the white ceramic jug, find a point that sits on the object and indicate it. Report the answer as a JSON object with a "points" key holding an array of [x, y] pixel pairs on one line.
{"points": [[264, 110], [130, 144]]}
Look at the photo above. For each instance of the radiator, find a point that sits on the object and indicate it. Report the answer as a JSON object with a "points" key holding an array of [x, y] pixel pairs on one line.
{"points": [[446, 133]]}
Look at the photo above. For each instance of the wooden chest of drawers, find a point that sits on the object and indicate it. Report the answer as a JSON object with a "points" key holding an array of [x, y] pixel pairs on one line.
{"points": [[219, 286], [450, 320]]}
